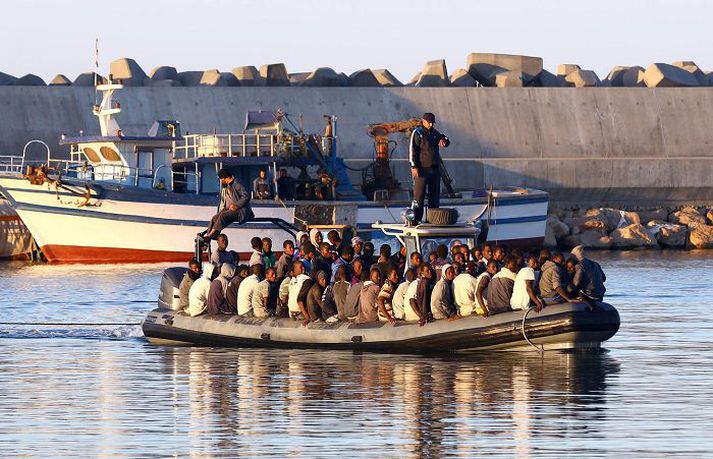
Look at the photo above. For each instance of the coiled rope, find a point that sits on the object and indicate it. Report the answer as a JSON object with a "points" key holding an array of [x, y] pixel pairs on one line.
{"points": [[541, 348]]}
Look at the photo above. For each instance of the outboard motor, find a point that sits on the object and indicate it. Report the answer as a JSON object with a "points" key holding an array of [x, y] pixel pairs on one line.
{"points": [[169, 296]]}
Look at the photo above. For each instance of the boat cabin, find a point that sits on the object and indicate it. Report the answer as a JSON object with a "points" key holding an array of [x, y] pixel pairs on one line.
{"points": [[426, 237]]}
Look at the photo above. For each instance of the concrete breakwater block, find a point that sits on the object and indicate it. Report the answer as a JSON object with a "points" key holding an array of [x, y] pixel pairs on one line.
{"points": [[364, 78], [60, 80], [190, 77], [215, 77], [88, 78], [321, 76], [664, 75], [549, 80], [694, 70], [414, 79], [565, 69], [248, 75], [164, 72], [462, 78], [30, 80], [434, 74], [385, 78], [275, 75], [509, 79], [583, 79], [296, 79], [482, 65], [6, 79], [127, 71]]}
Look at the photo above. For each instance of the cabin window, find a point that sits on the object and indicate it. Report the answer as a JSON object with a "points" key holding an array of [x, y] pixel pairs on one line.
{"points": [[109, 154], [91, 155]]}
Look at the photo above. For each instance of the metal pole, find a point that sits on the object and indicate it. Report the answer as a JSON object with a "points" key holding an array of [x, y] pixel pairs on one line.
{"points": [[197, 179]]}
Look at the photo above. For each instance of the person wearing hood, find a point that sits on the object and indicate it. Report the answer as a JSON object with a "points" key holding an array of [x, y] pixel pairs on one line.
{"points": [[264, 299], [300, 283], [315, 305], [190, 276], [553, 286], [315, 237], [442, 305], [219, 289], [247, 289], [358, 246], [368, 311], [198, 294], [588, 277]]}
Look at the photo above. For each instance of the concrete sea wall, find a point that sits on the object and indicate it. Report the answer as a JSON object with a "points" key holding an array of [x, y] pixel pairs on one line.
{"points": [[599, 146]]}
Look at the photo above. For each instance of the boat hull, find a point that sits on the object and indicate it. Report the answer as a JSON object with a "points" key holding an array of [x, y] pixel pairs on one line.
{"points": [[125, 224], [565, 326]]}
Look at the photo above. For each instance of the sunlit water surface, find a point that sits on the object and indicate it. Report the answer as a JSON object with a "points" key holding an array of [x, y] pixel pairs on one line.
{"points": [[103, 391]]}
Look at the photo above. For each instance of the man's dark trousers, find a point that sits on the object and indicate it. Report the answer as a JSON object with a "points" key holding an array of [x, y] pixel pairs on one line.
{"points": [[428, 181]]}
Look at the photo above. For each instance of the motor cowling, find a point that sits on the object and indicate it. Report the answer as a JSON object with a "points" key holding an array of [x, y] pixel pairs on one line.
{"points": [[169, 295]]}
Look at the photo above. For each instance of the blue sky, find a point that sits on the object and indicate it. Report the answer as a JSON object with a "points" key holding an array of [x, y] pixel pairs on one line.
{"points": [[49, 37]]}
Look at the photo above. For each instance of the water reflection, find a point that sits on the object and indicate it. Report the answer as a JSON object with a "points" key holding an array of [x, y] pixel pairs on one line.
{"points": [[286, 402]]}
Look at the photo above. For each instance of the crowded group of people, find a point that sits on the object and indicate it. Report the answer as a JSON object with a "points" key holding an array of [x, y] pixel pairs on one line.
{"points": [[335, 280]]}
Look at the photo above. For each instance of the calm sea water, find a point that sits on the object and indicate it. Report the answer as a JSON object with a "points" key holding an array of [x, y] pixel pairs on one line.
{"points": [[103, 391]]}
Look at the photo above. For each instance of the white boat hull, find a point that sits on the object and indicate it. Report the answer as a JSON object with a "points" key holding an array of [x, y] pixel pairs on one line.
{"points": [[124, 225]]}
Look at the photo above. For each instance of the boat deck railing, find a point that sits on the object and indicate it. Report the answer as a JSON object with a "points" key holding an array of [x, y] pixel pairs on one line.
{"points": [[257, 144]]}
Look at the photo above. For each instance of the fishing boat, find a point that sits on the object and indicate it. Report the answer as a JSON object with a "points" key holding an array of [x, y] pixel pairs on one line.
{"points": [[143, 198]]}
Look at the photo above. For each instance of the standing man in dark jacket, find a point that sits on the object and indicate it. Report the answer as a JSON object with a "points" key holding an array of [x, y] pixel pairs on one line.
{"points": [[234, 205], [425, 161]]}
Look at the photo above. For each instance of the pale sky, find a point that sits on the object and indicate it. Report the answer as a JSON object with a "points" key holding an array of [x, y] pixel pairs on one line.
{"points": [[50, 37]]}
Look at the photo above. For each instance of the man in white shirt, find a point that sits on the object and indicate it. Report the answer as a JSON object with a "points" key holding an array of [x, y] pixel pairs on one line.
{"points": [[198, 294], [464, 290], [399, 299], [523, 291], [246, 290]]}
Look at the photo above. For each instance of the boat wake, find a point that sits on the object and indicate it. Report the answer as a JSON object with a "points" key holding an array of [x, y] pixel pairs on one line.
{"points": [[59, 331]]}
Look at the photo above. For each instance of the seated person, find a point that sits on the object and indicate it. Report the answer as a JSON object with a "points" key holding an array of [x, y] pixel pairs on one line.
{"points": [[268, 256], [552, 281], [501, 286], [338, 291], [315, 304], [399, 298], [231, 294], [247, 290], [464, 287], [283, 295], [285, 186], [442, 305], [589, 277], [325, 189], [218, 290], [262, 186], [264, 299], [384, 300], [418, 296], [222, 254], [323, 262], [256, 256], [523, 293], [285, 261], [190, 276], [300, 283], [481, 288], [367, 297], [198, 294]]}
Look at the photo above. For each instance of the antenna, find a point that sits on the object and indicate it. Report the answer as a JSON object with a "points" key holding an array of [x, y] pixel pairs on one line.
{"points": [[96, 70]]}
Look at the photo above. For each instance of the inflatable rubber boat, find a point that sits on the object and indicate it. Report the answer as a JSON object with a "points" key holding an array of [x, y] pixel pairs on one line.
{"points": [[562, 326]]}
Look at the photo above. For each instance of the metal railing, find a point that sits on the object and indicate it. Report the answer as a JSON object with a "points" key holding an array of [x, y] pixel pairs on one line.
{"points": [[11, 164]]}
